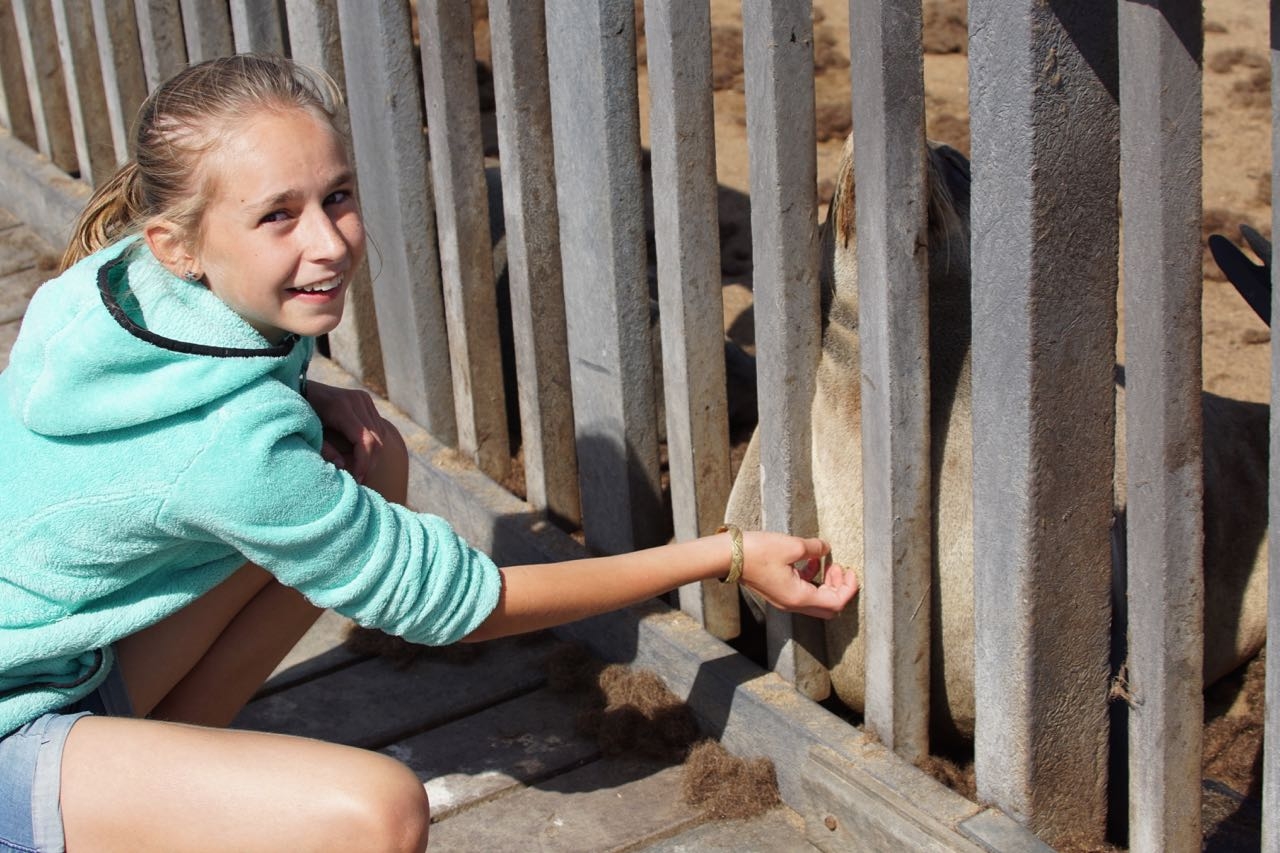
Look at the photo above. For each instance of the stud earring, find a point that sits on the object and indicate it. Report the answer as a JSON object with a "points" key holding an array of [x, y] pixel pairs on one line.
{"points": [[191, 275]]}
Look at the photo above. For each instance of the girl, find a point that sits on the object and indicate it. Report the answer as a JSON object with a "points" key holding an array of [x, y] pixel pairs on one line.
{"points": [[182, 518]]}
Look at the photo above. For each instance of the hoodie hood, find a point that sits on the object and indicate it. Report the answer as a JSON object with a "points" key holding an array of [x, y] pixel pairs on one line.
{"points": [[118, 341]]}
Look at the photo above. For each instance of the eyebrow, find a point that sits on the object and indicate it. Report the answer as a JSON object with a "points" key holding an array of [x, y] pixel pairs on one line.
{"points": [[346, 176]]}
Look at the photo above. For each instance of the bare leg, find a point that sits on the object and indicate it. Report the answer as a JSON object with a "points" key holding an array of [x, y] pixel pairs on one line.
{"points": [[140, 785], [148, 785], [203, 663]]}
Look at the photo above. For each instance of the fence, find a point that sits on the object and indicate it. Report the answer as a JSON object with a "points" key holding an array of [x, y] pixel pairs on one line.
{"points": [[1071, 109]]}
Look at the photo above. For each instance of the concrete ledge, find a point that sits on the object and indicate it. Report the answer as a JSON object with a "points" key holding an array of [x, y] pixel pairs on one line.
{"points": [[828, 771], [43, 196]]}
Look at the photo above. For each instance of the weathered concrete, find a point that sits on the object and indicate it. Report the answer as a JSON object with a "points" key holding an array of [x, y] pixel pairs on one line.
{"points": [[600, 199], [1044, 124], [1160, 156], [687, 239], [778, 57], [46, 199]]}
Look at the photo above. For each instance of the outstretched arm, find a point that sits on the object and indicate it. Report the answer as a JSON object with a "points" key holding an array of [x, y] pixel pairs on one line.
{"points": [[542, 596]]}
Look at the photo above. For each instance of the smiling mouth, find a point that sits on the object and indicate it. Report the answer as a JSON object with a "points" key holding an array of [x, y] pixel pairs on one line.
{"points": [[323, 287]]}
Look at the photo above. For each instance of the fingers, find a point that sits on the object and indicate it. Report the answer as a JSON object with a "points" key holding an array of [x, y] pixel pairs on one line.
{"points": [[351, 415]]}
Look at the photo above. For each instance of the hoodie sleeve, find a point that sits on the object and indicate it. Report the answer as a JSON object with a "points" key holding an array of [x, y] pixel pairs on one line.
{"points": [[261, 487]]}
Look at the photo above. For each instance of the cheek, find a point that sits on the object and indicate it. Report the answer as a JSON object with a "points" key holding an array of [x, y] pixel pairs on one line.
{"points": [[353, 232]]}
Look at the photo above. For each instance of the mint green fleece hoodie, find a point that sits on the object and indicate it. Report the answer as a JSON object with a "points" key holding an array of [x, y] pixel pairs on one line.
{"points": [[151, 442]]}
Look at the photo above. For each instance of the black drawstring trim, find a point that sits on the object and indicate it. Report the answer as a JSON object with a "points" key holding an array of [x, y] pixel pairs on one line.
{"points": [[108, 299]]}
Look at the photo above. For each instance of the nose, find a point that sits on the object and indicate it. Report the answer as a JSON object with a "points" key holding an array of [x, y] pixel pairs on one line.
{"points": [[324, 241]]}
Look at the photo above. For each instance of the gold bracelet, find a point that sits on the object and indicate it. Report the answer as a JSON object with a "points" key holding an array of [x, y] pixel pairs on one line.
{"points": [[739, 556]]}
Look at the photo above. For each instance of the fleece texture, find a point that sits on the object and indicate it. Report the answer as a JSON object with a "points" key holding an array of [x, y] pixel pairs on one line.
{"points": [[153, 442]]}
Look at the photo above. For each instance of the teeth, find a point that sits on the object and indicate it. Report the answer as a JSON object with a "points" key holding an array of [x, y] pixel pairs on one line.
{"points": [[321, 288]]}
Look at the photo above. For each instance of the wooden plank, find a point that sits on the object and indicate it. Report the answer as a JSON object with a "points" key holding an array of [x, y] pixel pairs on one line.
{"points": [[516, 743], [391, 159], [16, 290], [686, 233], [164, 47], [1045, 184], [1271, 747], [893, 329], [257, 26], [1161, 49], [518, 44], [207, 30], [864, 811], [124, 79], [49, 199], [15, 103], [778, 61], [595, 118], [374, 703], [86, 98], [462, 226], [38, 41], [314, 40], [20, 249], [607, 805], [779, 830]]}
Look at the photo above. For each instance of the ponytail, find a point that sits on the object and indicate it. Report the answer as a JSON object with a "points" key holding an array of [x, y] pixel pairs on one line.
{"points": [[113, 210]]}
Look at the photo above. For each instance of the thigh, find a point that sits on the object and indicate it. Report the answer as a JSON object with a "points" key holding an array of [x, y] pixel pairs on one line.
{"points": [[156, 658], [145, 785]]}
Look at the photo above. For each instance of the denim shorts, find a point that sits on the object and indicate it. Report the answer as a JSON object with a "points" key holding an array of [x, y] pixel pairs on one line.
{"points": [[31, 770]]}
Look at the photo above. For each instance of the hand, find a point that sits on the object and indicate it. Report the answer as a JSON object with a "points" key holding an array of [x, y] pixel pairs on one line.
{"points": [[770, 570], [353, 428]]}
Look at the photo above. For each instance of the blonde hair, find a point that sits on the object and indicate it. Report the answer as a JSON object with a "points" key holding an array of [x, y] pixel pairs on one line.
{"points": [[177, 125]]}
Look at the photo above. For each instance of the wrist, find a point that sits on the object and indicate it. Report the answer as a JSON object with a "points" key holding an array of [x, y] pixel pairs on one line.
{"points": [[737, 554]]}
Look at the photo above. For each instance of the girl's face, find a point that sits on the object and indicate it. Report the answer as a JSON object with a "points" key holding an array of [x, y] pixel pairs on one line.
{"points": [[282, 235]]}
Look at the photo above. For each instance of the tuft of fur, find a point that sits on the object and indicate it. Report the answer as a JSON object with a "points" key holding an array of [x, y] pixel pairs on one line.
{"points": [[725, 786]]}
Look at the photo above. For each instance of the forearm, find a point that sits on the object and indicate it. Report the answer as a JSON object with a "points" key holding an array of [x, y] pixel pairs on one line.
{"points": [[542, 596]]}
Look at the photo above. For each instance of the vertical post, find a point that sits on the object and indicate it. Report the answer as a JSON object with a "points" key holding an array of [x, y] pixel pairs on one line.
{"points": [[682, 140], [462, 223], [778, 62], [164, 48], [591, 49], [207, 27], [46, 91], [391, 159], [518, 41], [124, 81], [1045, 179], [15, 103], [314, 40], [256, 26], [1271, 757], [893, 328], [1161, 45], [86, 99]]}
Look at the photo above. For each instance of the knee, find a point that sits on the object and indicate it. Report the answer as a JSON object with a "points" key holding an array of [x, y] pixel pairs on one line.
{"points": [[389, 810], [390, 475]]}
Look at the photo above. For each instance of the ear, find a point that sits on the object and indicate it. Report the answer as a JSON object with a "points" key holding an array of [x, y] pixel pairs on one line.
{"points": [[170, 248]]}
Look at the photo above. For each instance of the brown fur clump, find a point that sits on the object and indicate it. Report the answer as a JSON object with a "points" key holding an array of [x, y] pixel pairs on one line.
{"points": [[956, 775], [401, 653], [637, 714], [572, 669], [726, 786], [633, 712]]}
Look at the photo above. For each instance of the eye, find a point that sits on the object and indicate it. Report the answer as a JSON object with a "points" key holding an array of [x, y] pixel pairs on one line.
{"points": [[275, 216], [339, 197]]}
